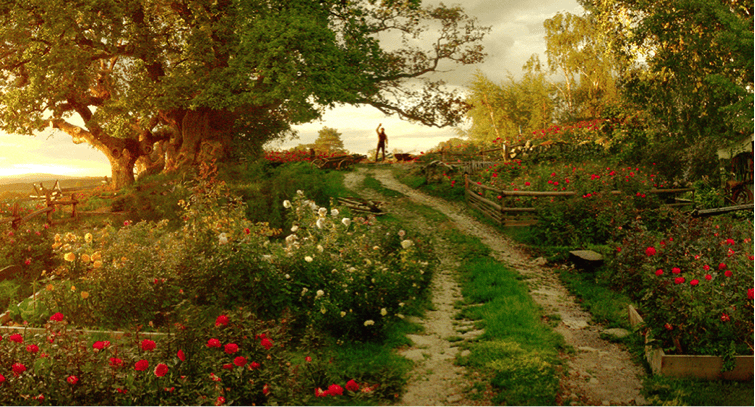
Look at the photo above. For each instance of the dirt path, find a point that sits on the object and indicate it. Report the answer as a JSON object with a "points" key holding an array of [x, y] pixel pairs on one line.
{"points": [[600, 373]]}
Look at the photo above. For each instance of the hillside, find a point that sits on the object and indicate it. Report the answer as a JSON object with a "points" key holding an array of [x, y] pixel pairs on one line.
{"points": [[18, 186]]}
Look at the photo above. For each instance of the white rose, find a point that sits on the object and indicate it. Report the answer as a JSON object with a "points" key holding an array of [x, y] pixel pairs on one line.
{"points": [[346, 222], [286, 204], [334, 212], [320, 248], [369, 322], [401, 233], [222, 239], [322, 212], [383, 312], [299, 192], [406, 244], [343, 314], [308, 259], [320, 223], [320, 293], [294, 228]]}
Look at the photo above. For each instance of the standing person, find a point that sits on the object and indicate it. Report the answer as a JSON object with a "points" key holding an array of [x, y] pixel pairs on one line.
{"points": [[382, 141]]}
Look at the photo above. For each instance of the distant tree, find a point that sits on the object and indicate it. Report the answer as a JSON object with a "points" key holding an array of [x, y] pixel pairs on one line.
{"points": [[170, 83], [329, 140]]}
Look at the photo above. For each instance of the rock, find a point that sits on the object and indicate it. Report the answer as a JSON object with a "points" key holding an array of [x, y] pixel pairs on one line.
{"points": [[540, 261], [420, 340], [585, 259], [575, 323], [415, 355], [615, 333], [465, 353]]}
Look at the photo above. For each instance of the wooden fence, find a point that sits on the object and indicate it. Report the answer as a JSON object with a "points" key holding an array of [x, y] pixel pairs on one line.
{"points": [[52, 197], [506, 215]]}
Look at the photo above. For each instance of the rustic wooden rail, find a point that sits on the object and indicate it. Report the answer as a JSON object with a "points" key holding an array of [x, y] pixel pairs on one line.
{"points": [[53, 197], [499, 212]]}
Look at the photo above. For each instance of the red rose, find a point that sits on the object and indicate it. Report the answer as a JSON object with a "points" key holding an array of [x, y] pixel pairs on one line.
{"points": [[695, 282], [181, 355], [16, 338], [668, 326], [221, 320], [148, 345], [676, 270], [308, 359], [2, 379], [650, 251], [228, 366], [213, 343], [141, 365], [721, 266], [659, 272], [231, 348], [706, 267], [320, 393], [265, 389], [679, 280], [708, 277], [72, 379], [100, 345], [57, 317], [161, 369], [32, 348], [220, 401], [18, 368], [115, 362], [267, 343], [351, 385], [725, 318], [335, 390], [727, 273], [749, 293], [239, 361], [254, 365]]}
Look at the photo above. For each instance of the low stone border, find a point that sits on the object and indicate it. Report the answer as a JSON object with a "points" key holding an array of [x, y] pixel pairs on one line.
{"points": [[692, 366]]}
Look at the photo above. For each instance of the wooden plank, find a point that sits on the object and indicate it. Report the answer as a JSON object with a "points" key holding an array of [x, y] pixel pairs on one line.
{"points": [[508, 209], [726, 209], [37, 212]]}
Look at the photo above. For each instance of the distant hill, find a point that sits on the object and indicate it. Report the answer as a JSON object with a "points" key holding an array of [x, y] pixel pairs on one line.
{"points": [[20, 186]]}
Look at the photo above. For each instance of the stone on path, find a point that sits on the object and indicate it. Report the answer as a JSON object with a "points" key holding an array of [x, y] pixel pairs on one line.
{"points": [[585, 259]]}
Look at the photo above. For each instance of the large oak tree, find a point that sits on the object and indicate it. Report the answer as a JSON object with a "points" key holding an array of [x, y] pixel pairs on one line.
{"points": [[168, 83]]}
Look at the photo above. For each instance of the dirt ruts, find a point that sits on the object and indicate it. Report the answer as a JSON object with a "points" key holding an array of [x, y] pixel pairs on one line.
{"points": [[600, 372]]}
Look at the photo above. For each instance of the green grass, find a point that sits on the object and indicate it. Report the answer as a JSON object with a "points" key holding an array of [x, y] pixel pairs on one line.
{"points": [[606, 306], [520, 352], [659, 390]]}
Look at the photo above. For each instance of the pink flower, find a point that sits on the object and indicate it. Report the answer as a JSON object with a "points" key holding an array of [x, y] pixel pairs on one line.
{"points": [[221, 320], [239, 361], [694, 282], [679, 280], [72, 379], [161, 369], [57, 317], [141, 365], [213, 343], [676, 270], [181, 355], [659, 272], [32, 348], [231, 348], [650, 251], [267, 343], [148, 345], [351, 385], [18, 368]]}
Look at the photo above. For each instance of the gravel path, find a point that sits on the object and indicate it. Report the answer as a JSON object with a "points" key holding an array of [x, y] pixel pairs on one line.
{"points": [[600, 372]]}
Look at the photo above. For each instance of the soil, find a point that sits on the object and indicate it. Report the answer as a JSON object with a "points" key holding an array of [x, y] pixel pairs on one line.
{"points": [[599, 372]]}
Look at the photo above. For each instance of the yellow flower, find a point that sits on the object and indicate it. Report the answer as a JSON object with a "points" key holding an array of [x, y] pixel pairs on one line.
{"points": [[88, 238], [69, 257], [56, 245], [84, 295], [96, 256], [85, 258], [57, 237], [123, 259], [97, 264], [73, 288], [50, 287]]}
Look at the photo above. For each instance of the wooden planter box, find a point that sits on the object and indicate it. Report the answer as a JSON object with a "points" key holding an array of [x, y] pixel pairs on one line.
{"points": [[688, 366]]}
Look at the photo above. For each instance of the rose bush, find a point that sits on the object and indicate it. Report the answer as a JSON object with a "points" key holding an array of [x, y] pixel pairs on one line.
{"points": [[693, 283]]}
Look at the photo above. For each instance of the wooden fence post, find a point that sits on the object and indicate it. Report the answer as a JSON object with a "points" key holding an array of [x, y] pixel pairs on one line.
{"points": [[74, 214], [48, 201]]}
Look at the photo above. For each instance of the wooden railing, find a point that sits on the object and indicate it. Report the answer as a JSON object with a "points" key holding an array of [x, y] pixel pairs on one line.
{"points": [[52, 197], [503, 214]]}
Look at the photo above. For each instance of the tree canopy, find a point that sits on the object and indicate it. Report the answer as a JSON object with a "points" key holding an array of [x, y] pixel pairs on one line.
{"points": [[168, 83]]}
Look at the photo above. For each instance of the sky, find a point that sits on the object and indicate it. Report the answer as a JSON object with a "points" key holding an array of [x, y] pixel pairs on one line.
{"points": [[516, 33]]}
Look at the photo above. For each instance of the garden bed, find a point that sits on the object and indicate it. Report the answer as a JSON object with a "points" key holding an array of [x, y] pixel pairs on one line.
{"points": [[693, 366]]}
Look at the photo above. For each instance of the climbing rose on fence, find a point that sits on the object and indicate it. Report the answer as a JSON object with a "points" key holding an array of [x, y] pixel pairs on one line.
{"points": [[16, 338], [57, 317]]}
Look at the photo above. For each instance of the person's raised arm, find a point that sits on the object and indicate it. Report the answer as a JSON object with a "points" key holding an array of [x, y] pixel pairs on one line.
{"points": [[378, 128]]}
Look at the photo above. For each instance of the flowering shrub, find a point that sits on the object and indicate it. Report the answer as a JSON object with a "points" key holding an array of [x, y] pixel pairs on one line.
{"points": [[297, 156], [693, 283], [251, 366]]}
